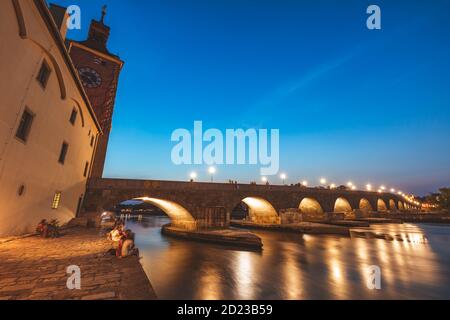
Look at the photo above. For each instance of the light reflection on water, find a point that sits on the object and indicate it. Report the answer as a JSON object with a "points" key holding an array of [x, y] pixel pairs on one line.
{"points": [[294, 266]]}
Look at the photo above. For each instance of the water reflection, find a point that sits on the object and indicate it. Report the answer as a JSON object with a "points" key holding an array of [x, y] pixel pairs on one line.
{"points": [[292, 275], [294, 266], [243, 272]]}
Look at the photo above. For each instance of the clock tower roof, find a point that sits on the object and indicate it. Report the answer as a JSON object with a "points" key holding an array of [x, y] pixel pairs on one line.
{"points": [[98, 35]]}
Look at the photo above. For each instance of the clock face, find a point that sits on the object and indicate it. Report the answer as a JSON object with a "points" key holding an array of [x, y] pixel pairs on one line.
{"points": [[90, 77]]}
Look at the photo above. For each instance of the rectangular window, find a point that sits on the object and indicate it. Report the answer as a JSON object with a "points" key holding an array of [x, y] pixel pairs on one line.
{"points": [[25, 125], [63, 153], [92, 141], [44, 74], [73, 116], [86, 168], [56, 200]]}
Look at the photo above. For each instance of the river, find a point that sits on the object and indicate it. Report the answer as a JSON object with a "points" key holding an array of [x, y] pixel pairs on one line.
{"points": [[295, 266]]}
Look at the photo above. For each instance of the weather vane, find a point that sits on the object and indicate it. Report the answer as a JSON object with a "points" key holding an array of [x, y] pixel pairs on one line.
{"points": [[103, 13]]}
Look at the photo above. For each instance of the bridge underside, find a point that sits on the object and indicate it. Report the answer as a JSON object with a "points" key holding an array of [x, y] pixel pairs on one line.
{"points": [[193, 205], [179, 216], [261, 211]]}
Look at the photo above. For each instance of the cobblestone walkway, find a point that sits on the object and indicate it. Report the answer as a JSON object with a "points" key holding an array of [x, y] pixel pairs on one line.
{"points": [[35, 268]]}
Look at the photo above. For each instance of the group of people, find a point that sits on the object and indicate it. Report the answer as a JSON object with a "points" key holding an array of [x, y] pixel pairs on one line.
{"points": [[123, 240], [48, 229]]}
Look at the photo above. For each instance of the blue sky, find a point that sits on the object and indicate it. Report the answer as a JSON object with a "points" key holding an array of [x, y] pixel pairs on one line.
{"points": [[350, 103]]}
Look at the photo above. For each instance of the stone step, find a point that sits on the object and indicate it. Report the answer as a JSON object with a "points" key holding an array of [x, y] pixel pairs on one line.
{"points": [[301, 227], [348, 223], [380, 220]]}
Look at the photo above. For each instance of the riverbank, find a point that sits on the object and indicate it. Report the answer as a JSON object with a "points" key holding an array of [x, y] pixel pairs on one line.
{"points": [[35, 268]]}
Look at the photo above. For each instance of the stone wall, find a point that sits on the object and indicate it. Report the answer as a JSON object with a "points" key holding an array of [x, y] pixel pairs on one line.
{"points": [[211, 217], [291, 215]]}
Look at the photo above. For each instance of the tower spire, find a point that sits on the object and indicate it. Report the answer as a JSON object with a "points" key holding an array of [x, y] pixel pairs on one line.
{"points": [[102, 20]]}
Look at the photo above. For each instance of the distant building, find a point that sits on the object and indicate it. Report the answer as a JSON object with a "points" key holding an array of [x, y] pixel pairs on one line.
{"points": [[56, 96]]}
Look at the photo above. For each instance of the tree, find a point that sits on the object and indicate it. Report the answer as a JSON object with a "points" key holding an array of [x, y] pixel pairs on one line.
{"points": [[444, 198], [431, 199]]}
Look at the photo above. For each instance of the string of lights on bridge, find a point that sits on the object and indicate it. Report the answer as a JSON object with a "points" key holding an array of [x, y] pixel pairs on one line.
{"points": [[323, 183]]}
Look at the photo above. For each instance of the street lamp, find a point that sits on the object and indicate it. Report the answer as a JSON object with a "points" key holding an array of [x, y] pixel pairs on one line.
{"points": [[304, 183], [283, 177], [323, 181], [212, 171], [264, 179], [349, 184], [353, 187], [383, 188], [369, 187], [332, 186], [392, 190], [193, 175]]}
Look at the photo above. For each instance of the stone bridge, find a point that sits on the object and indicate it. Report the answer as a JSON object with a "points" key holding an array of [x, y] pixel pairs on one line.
{"points": [[200, 205]]}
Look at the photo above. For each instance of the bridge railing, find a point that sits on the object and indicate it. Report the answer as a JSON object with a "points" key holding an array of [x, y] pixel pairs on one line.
{"points": [[105, 183]]}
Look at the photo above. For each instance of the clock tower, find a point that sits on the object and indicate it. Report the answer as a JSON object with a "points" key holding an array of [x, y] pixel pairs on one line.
{"points": [[99, 72]]}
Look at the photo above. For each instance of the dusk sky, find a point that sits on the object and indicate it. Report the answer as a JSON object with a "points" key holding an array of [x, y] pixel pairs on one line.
{"points": [[350, 103]]}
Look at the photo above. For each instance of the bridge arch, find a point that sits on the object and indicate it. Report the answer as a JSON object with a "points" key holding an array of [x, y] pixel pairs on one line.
{"points": [[310, 206], [342, 205], [381, 205], [365, 206], [260, 210], [392, 205], [400, 206], [179, 216]]}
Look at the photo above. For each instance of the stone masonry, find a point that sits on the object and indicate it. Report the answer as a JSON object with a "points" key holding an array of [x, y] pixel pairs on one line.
{"points": [[35, 268], [211, 204]]}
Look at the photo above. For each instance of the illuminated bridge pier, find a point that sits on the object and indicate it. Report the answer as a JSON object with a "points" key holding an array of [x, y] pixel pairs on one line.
{"points": [[199, 206]]}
